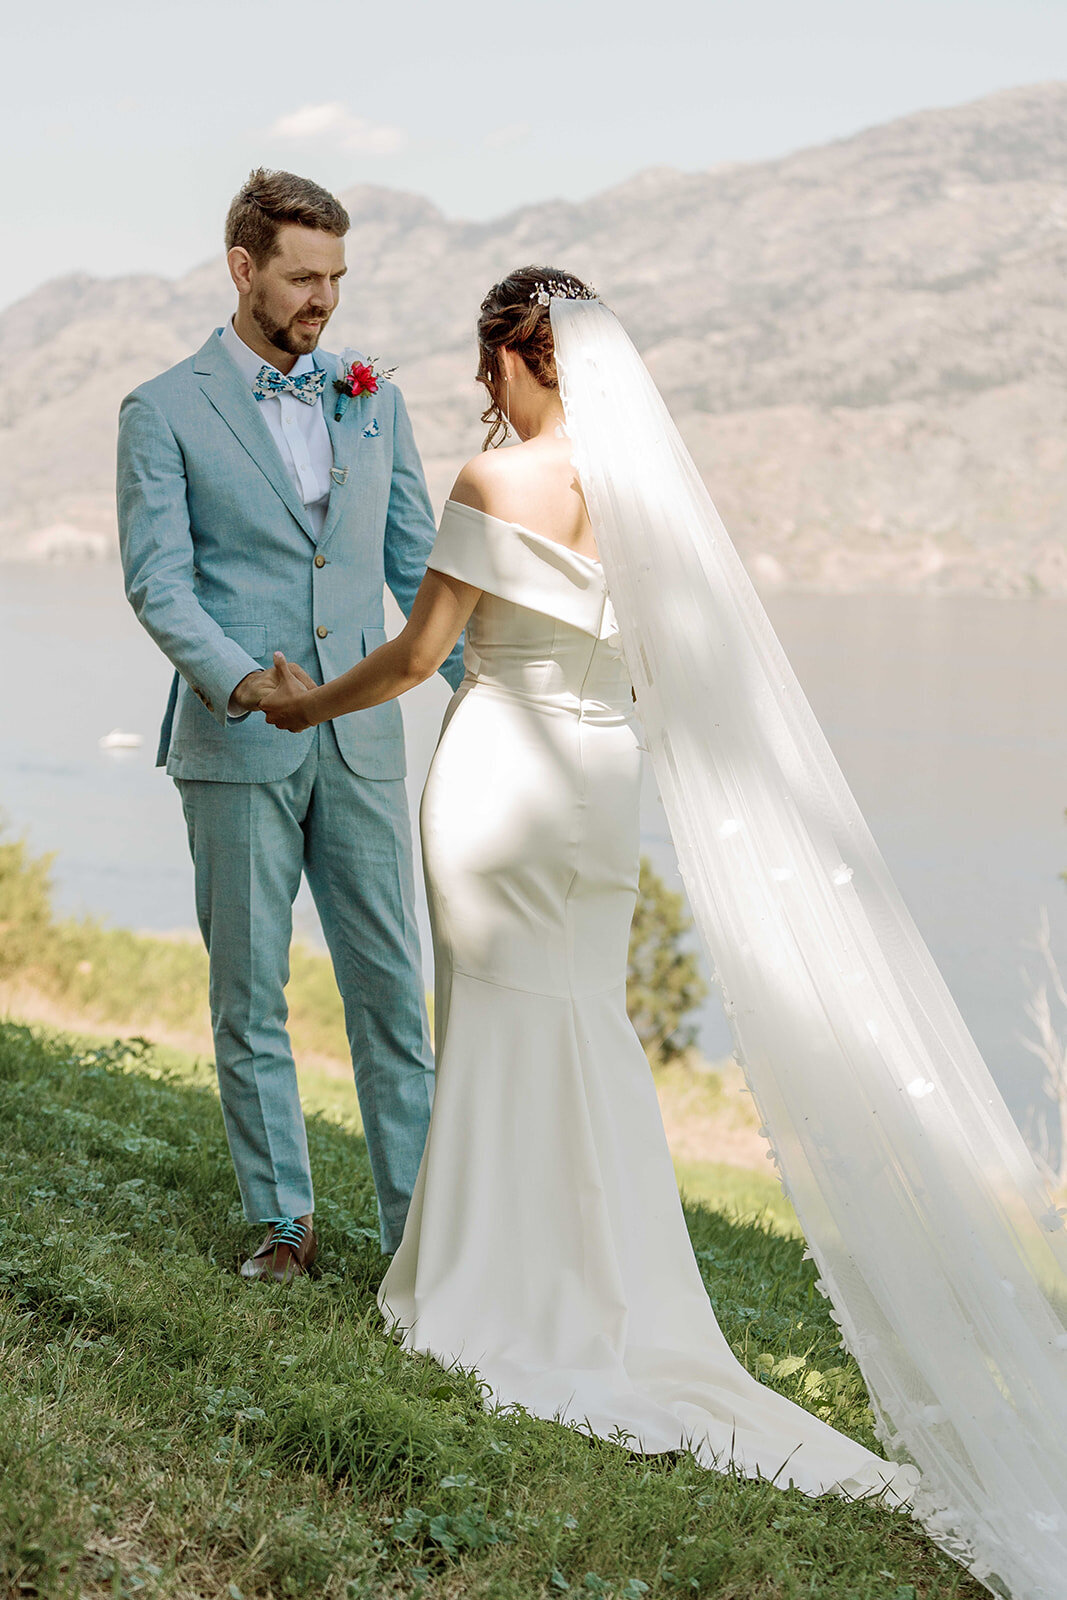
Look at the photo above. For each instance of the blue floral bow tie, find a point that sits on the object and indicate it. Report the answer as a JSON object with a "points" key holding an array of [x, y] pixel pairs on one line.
{"points": [[308, 387]]}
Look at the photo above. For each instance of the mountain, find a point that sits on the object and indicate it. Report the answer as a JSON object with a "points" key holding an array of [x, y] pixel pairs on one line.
{"points": [[863, 344]]}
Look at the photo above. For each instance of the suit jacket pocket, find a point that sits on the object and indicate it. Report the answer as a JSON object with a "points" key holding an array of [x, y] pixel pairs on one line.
{"points": [[251, 636]]}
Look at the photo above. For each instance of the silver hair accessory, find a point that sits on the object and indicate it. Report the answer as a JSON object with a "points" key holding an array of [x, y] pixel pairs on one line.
{"points": [[553, 289]]}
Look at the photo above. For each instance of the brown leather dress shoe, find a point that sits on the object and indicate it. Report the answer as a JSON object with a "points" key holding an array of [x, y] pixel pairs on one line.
{"points": [[287, 1252]]}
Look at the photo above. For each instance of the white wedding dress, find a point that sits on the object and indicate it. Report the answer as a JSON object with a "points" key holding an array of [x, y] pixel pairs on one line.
{"points": [[546, 1245]]}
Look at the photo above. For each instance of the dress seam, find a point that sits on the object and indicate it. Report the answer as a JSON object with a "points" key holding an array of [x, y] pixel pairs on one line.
{"points": [[563, 994]]}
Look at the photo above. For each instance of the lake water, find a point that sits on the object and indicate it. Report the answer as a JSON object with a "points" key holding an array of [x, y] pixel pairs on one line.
{"points": [[949, 717]]}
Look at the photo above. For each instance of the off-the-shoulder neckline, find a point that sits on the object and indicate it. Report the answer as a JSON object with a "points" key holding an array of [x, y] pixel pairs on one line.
{"points": [[521, 527]]}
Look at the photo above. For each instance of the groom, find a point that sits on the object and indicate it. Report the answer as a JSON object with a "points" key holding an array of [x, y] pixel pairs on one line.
{"points": [[253, 517]]}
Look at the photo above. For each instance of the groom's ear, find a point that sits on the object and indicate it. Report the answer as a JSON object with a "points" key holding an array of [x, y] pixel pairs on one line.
{"points": [[240, 264]]}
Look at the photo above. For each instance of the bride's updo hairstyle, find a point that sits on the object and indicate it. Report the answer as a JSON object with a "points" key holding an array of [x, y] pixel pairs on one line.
{"points": [[512, 318]]}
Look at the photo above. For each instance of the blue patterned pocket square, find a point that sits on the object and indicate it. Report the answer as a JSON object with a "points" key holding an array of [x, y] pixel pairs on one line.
{"points": [[372, 430]]}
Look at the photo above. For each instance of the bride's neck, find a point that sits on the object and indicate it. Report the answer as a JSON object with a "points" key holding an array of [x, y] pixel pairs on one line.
{"points": [[543, 421]]}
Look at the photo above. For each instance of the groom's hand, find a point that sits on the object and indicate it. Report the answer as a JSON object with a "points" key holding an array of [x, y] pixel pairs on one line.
{"points": [[251, 692], [288, 705]]}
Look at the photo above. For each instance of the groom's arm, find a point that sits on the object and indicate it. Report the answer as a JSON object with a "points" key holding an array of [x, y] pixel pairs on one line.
{"points": [[410, 530], [157, 558]]}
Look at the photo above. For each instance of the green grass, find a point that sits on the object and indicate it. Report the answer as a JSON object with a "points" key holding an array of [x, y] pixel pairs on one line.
{"points": [[739, 1191], [167, 1431]]}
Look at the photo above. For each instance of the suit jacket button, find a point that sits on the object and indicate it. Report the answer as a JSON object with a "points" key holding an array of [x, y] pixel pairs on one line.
{"points": [[321, 631], [320, 561]]}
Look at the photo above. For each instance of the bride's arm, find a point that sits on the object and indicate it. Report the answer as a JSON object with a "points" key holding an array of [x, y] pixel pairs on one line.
{"points": [[439, 615]]}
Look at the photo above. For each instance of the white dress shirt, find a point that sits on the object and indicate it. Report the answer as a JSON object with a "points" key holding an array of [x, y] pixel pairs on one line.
{"points": [[302, 437], [299, 430]]}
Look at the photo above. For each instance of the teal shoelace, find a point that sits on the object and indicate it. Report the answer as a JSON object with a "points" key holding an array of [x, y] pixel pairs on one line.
{"points": [[287, 1230]]}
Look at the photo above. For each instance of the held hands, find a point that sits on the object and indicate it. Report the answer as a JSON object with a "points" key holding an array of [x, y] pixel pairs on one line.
{"points": [[251, 692], [285, 705]]}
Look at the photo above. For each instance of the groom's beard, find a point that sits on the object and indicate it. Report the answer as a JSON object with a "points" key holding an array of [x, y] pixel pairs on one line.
{"points": [[291, 338]]}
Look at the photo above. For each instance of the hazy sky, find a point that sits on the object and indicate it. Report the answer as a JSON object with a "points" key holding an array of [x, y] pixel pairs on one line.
{"points": [[126, 126]]}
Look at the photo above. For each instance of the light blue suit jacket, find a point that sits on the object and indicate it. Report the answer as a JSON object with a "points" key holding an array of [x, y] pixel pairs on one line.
{"points": [[222, 565]]}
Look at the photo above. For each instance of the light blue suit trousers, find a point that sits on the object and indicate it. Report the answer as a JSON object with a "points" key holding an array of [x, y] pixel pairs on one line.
{"points": [[352, 837], [222, 566]]}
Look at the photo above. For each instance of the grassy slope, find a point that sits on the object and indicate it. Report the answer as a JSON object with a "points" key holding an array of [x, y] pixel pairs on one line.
{"points": [[327, 1090], [166, 1431]]}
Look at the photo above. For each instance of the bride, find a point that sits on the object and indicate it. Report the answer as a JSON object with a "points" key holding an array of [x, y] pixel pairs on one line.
{"points": [[546, 1245]]}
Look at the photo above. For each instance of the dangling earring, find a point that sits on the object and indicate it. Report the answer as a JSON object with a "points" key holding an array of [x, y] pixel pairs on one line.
{"points": [[507, 414]]}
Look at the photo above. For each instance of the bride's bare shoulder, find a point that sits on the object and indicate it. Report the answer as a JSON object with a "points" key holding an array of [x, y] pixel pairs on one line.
{"points": [[486, 481], [532, 485]]}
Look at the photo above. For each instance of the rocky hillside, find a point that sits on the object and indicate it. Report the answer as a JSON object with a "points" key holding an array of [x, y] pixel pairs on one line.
{"points": [[863, 344]]}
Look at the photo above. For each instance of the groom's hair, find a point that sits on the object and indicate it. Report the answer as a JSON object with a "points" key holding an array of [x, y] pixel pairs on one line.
{"points": [[268, 200]]}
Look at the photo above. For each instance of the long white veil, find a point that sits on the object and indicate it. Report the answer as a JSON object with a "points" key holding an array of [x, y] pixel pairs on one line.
{"points": [[935, 1238]]}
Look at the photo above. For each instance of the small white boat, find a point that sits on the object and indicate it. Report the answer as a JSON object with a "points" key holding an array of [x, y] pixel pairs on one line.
{"points": [[117, 740]]}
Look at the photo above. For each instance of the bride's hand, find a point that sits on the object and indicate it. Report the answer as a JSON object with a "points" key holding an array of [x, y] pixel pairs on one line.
{"points": [[286, 706]]}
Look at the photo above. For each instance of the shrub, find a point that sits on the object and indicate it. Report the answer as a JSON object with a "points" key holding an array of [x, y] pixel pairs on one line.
{"points": [[663, 981]]}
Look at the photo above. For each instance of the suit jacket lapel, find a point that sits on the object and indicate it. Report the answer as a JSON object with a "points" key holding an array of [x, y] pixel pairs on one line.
{"points": [[235, 404]]}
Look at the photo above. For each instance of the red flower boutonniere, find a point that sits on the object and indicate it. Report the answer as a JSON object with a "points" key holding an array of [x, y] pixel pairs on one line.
{"points": [[355, 377]]}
